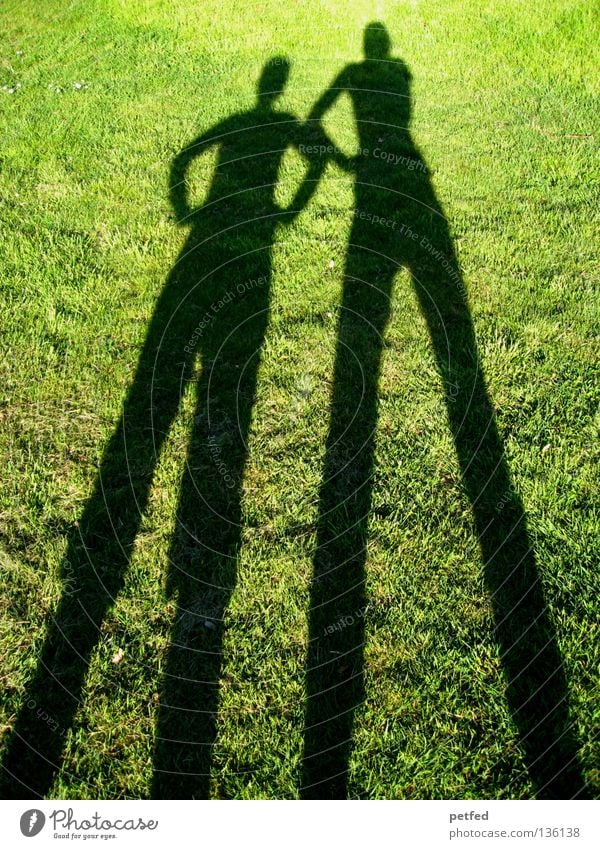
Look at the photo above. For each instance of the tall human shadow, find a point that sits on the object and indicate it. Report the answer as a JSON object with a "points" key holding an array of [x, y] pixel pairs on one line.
{"points": [[214, 307], [398, 222]]}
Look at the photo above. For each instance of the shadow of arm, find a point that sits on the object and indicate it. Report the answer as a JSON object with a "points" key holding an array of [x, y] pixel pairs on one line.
{"points": [[178, 190], [328, 98], [316, 129]]}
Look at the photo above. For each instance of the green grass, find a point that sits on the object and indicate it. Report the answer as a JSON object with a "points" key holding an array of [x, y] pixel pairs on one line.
{"points": [[505, 114]]}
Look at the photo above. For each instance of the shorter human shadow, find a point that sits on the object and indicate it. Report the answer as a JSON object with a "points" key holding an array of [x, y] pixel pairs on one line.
{"points": [[397, 223], [207, 328]]}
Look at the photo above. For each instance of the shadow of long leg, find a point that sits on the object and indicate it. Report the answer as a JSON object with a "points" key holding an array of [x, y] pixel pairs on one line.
{"points": [[203, 557], [334, 679], [537, 690], [98, 553]]}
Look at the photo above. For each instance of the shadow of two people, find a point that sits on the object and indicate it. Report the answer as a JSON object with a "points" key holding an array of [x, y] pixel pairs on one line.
{"points": [[215, 307]]}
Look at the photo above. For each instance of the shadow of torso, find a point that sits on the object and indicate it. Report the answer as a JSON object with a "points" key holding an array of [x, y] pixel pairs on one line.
{"points": [[222, 275], [392, 186]]}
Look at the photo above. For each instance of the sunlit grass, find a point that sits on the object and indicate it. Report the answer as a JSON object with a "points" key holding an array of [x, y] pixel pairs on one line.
{"points": [[506, 105]]}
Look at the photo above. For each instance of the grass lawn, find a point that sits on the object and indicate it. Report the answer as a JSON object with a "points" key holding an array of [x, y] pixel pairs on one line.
{"points": [[97, 98]]}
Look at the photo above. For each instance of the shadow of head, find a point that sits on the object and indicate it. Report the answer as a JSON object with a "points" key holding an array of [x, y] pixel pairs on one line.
{"points": [[377, 43], [272, 81]]}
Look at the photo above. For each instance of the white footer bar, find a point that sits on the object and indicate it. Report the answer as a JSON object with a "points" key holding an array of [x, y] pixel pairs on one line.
{"points": [[302, 825]]}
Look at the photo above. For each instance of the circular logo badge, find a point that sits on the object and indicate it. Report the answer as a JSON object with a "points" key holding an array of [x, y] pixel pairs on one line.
{"points": [[32, 822]]}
